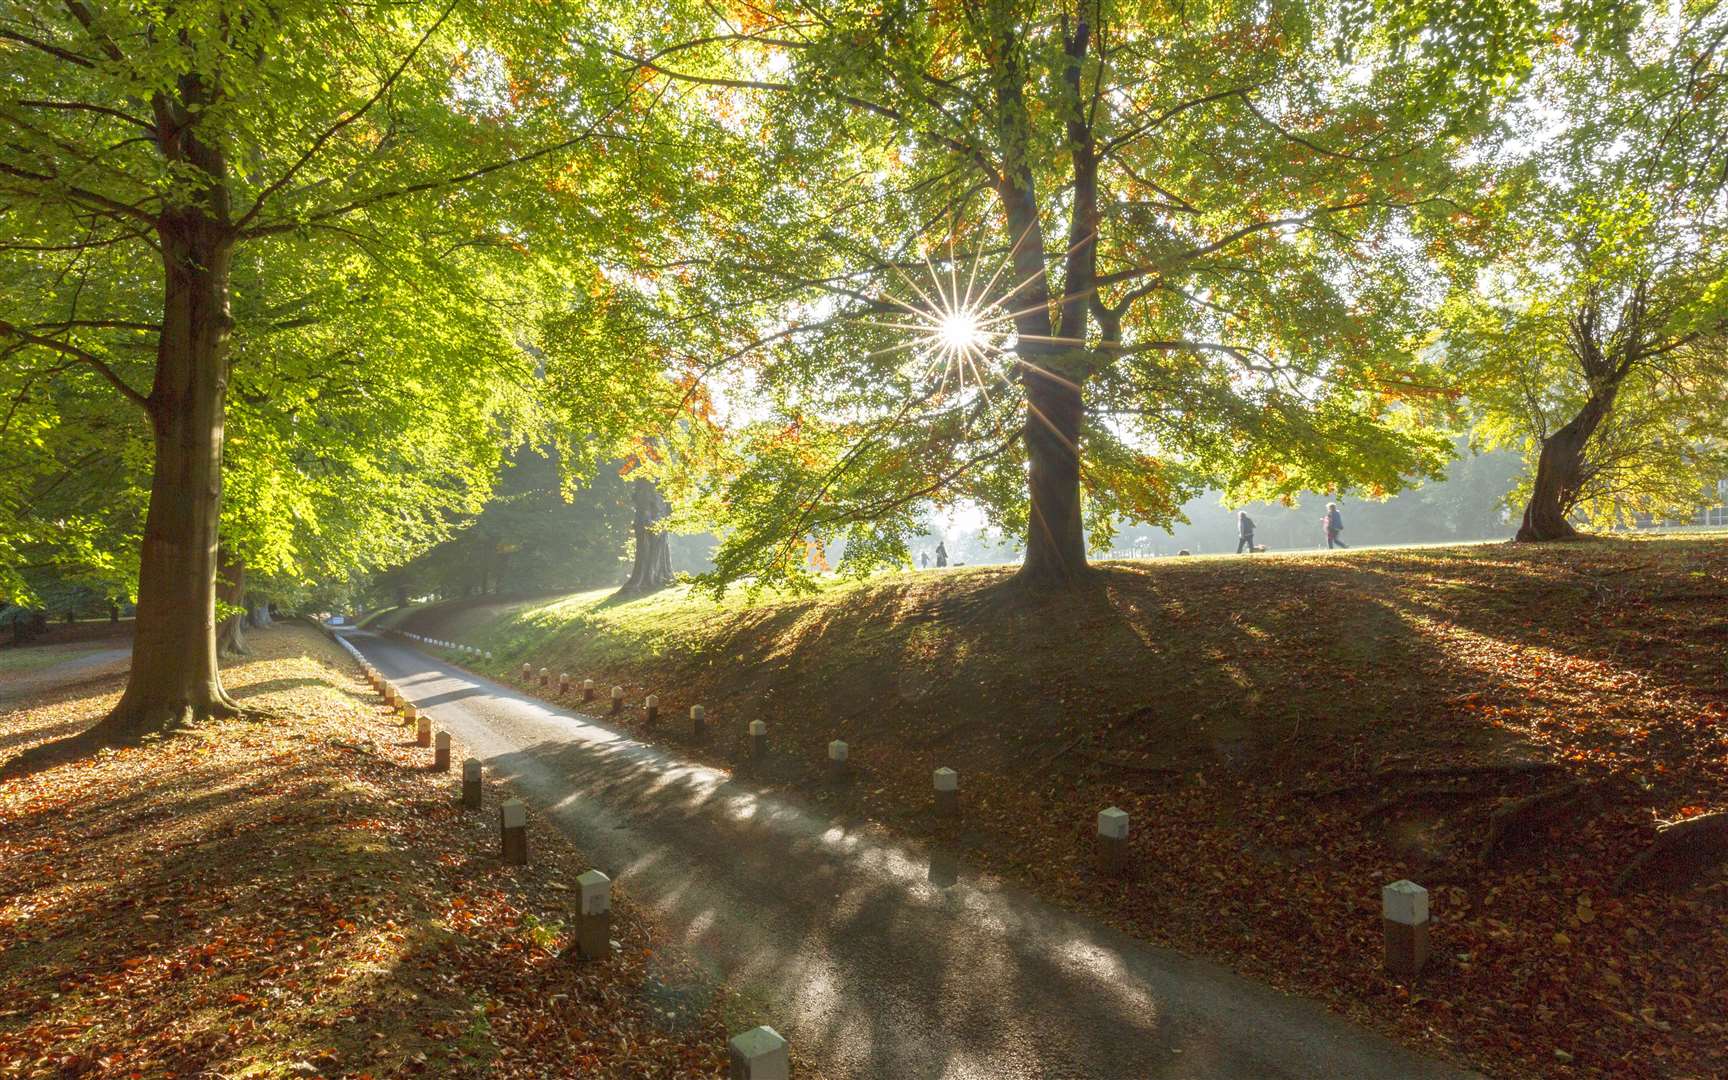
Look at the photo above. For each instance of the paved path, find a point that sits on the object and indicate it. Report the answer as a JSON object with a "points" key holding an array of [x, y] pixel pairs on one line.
{"points": [[880, 964]]}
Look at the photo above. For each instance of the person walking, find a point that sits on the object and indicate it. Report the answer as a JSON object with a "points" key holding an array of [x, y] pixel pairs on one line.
{"points": [[1334, 525], [924, 560], [1244, 532], [941, 554]]}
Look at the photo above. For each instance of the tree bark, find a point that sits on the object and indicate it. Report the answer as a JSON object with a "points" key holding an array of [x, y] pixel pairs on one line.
{"points": [[1560, 472], [231, 590], [174, 679], [1055, 536], [651, 570]]}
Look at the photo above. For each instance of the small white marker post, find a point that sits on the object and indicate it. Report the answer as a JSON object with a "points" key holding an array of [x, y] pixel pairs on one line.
{"points": [[513, 825], [617, 700], [423, 729], [837, 752], [653, 705], [759, 1054], [1404, 916], [587, 689], [698, 721], [441, 752], [545, 677], [594, 916], [563, 683], [527, 671], [1112, 841], [947, 784], [758, 740], [471, 784]]}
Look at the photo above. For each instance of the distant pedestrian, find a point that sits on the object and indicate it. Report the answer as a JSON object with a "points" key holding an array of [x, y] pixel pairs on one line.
{"points": [[941, 554], [1334, 522], [924, 559], [1244, 532]]}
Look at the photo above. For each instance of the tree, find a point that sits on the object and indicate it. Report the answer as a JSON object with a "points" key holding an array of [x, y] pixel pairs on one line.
{"points": [[148, 150], [1596, 341], [1129, 248]]}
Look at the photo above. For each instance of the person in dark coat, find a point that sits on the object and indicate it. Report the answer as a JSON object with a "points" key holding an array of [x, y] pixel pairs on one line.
{"points": [[1334, 525], [1244, 532], [941, 554]]}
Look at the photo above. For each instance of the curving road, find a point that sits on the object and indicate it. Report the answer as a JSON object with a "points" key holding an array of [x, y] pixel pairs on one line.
{"points": [[882, 964]]}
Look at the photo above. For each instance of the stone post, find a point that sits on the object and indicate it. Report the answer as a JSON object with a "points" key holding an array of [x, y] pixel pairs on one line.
{"points": [[698, 721], [423, 730], [1404, 917], [947, 785], [653, 704], [471, 784], [837, 753], [545, 678], [759, 1054], [527, 671], [441, 752], [758, 740], [587, 689], [513, 824], [594, 916], [1112, 841], [617, 700], [563, 683]]}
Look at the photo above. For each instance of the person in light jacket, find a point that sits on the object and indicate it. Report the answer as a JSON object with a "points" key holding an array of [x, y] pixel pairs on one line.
{"points": [[1334, 522]]}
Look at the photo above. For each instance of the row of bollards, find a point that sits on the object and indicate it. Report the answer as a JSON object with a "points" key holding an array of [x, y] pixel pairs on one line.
{"points": [[758, 1054], [440, 644]]}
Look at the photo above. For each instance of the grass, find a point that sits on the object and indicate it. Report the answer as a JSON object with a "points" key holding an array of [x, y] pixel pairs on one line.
{"points": [[17, 661], [295, 894], [1289, 734]]}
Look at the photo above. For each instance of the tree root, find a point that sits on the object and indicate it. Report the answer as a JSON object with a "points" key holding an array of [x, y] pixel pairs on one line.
{"points": [[1524, 821], [1682, 849]]}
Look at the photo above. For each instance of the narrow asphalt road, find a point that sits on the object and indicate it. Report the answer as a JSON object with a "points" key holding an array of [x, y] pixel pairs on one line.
{"points": [[879, 962]]}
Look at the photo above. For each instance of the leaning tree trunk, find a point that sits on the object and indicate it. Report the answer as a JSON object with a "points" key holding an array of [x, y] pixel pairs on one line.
{"points": [[231, 590], [174, 678], [1560, 472], [651, 570]]}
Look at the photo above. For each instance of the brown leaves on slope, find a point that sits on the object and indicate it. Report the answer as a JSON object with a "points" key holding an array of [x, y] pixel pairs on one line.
{"points": [[301, 896]]}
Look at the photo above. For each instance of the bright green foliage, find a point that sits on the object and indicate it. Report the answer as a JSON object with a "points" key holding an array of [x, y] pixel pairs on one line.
{"points": [[1203, 215], [1608, 281], [392, 182]]}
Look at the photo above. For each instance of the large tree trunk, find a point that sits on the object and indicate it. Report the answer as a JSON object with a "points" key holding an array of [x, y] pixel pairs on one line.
{"points": [[1560, 472], [652, 569], [231, 590], [174, 678], [1055, 537]]}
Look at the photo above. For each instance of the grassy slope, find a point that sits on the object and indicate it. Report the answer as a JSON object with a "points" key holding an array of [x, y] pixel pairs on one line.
{"points": [[1274, 725], [295, 895]]}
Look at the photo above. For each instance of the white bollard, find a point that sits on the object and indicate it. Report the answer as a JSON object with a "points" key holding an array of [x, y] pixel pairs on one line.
{"points": [[617, 700], [759, 1054], [594, 916], [758, 740], [527, 671], [652, 703], [471, 784], [587, 689], [1404, 918], [837, 754], [563, 683], [698, 721], [513, 825], [1112, 840], [947, 784]]}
